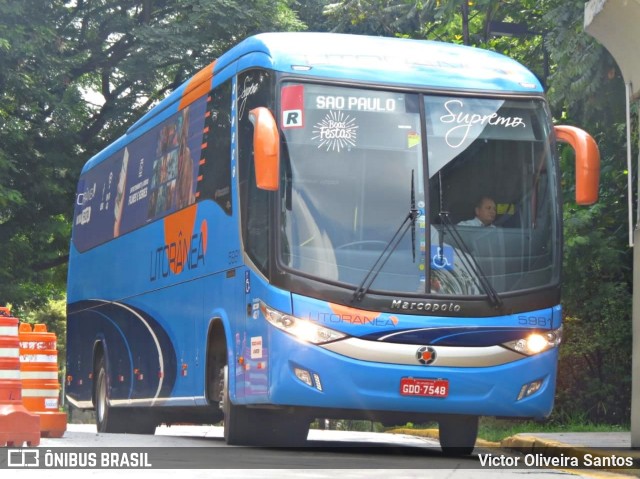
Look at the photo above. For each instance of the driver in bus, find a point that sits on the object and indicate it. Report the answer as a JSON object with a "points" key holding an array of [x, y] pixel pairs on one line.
{"points": [[485, 210]]}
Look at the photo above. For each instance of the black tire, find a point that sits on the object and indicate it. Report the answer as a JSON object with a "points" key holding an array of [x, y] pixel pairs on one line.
{"points": [[118, 420], [280, 429], [140, 421], [237, 419], [259, 427], [458, 434], [108, 419]]}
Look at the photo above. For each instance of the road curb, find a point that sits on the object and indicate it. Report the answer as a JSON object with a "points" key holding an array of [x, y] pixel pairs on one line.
{"points": [[526, 444], [550, 448]]}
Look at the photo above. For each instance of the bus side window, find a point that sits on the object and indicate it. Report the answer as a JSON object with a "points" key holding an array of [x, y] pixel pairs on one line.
{"points": [[254, 89], [215, 166]]}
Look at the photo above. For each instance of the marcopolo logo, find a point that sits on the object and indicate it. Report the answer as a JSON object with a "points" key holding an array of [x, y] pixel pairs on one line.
{"points": [[425, 306], [426, 355]]}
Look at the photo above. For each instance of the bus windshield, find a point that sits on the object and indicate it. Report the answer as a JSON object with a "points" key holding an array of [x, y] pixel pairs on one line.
{"points": [[356, 161]]}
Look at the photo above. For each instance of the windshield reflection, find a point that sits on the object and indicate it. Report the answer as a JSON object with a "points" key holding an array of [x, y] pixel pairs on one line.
{"points": [[348, 161]]}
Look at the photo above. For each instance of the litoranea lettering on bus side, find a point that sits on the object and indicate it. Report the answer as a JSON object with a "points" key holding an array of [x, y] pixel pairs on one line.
{"points": [[183, 247], [187, 252]]}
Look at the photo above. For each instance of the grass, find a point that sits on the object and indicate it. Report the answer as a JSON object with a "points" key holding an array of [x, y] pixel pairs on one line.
{"points": [[492, 429], [495, 430]]}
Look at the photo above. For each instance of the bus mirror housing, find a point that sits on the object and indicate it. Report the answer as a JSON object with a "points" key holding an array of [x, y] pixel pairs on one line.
{"points": [[587, 162], [266, 148]]}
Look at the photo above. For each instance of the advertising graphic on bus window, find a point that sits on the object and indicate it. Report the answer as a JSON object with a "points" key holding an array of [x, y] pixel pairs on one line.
{"points": [[153, 176]]}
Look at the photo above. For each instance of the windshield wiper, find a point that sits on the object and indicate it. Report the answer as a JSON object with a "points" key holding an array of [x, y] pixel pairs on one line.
{"points": [[469, 261], [408, 222]]}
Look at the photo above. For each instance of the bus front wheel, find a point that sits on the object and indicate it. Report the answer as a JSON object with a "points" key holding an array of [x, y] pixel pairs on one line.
{"points": [[458, 434], [260, 427], [237, 420]]}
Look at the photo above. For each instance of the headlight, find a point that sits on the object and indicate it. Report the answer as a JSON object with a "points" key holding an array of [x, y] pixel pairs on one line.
{"points": [[300, 328], [536, 342]]}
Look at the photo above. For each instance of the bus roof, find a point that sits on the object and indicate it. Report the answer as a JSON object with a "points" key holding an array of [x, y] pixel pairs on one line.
{"points": [[382, 61], [386, 60]]}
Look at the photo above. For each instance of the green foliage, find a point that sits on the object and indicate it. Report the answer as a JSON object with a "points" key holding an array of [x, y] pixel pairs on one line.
{"points": [[595, 362], [128, 54], [594, 376], [585, 84], [495, 430]]}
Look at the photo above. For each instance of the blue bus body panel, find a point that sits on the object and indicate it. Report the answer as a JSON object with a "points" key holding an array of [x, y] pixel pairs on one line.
{"points": [[370, 324], [147, 314], [268, 376], [348, 383]]}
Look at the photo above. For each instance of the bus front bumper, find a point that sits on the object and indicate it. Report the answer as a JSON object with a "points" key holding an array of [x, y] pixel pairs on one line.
{"points": [[317, 377]]}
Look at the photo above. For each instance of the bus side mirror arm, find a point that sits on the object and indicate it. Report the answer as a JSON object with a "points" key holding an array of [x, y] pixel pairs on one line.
{"points": [[587, 162], [266, 149]]}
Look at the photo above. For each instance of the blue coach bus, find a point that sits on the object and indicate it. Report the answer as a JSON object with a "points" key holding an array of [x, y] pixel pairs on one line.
{"points": [[278, 241]]}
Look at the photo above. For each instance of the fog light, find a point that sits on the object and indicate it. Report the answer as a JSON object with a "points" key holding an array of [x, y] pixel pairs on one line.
{"points": [[316, 378], [529, 389], [534, 387], [523, 391], [304, 376]]}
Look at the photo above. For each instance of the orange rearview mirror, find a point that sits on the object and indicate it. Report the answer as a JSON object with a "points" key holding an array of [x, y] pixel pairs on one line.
{"points": [[266, 148], [587, 162]]}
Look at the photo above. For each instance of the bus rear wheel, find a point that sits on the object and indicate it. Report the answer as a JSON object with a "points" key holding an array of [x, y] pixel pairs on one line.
{"points": [[118, 420], [108, 419], [458, 434]]}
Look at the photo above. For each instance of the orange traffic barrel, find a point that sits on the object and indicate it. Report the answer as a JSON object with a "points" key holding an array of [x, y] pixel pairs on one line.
{"points": [[17, 425], [39, 374]]}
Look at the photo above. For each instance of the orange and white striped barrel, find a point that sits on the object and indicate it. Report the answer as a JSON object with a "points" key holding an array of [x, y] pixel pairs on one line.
{"points": [[17, 425], [39, 373], [10, 385], [39, 369]]}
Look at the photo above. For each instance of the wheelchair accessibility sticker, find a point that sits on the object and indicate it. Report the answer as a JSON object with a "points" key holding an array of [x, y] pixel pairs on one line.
{"points": [[442, 258]]}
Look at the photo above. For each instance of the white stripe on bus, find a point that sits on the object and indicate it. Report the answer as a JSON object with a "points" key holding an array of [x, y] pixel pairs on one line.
{"points": [[158, 348]]}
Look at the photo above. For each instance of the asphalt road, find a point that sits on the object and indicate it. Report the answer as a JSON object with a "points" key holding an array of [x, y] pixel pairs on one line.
{"points": [[185, 452]]}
